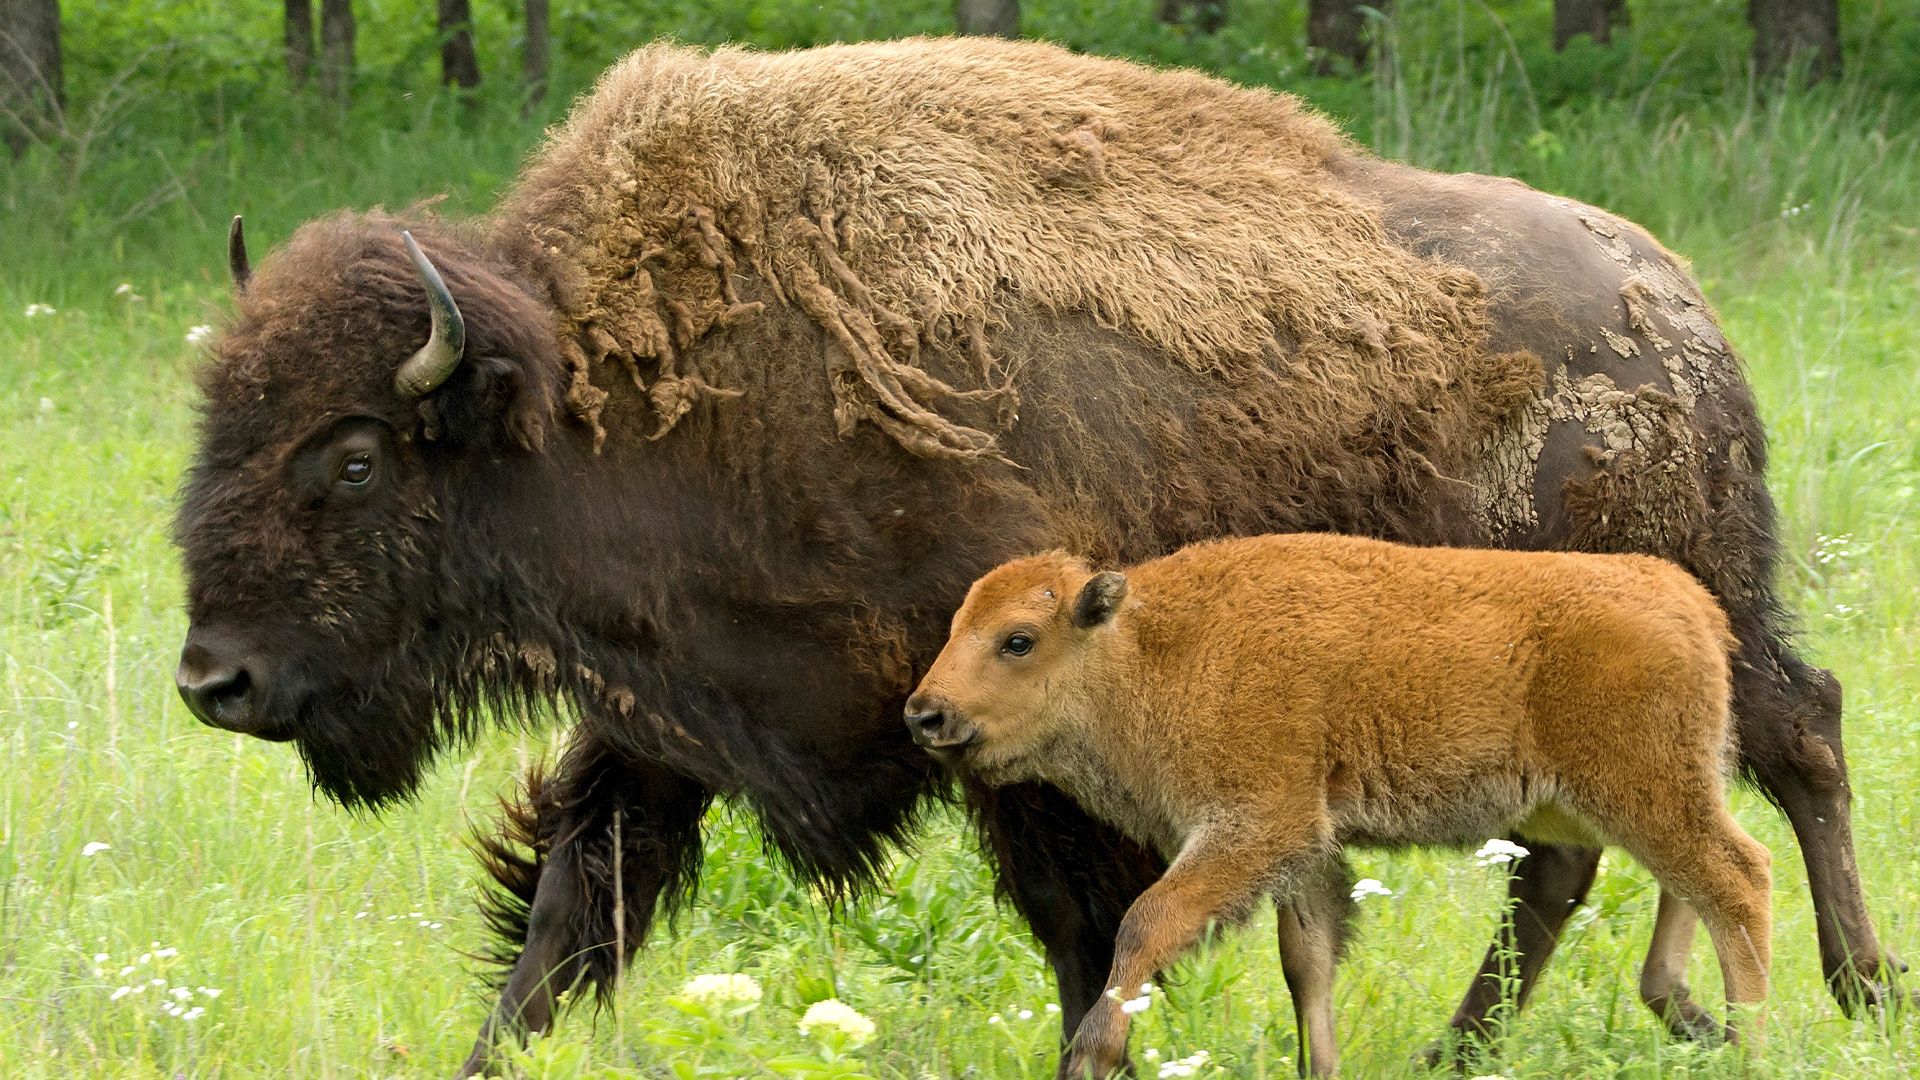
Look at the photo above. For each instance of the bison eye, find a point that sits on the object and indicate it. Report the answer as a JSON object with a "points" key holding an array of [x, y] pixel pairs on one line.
{"points": [[357, 469], [1017, 645]]}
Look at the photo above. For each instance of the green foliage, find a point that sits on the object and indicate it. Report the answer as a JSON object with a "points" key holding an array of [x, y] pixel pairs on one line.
{"points": [[334, 942]]}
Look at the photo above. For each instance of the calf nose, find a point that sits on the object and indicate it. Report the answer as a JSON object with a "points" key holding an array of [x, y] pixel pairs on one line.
{"points": [[218, 690], [925, 723]]}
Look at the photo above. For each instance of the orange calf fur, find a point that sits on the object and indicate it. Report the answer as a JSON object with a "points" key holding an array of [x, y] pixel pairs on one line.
{"points": [[1250, 706]]}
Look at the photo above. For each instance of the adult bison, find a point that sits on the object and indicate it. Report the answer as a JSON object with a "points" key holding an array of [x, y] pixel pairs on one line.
{"points": [[765, 357]]}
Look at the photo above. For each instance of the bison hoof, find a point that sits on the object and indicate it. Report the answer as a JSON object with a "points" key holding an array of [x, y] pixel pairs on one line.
{"points": [[1860, 989]]}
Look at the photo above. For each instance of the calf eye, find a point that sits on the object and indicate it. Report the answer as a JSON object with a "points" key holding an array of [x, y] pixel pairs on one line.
{"points": [[1017, 645], [356, 470]]}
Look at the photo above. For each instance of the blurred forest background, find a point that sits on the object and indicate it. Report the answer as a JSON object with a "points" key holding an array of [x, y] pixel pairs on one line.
{"points": [[128, 120]]}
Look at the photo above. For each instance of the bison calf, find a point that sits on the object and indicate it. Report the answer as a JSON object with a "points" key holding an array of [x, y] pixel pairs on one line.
{"points": [[1250, 706]]}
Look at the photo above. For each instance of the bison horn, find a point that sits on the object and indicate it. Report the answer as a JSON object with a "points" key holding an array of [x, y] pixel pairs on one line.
{"points": [[237, 263], [440, 356]]}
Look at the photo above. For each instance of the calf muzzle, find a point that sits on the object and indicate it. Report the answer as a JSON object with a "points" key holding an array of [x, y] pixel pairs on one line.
{"points": [[937, 728]]}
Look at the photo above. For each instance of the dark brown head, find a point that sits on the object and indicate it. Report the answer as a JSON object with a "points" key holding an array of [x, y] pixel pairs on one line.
{"points": [[364, 379], [1027, 657]]}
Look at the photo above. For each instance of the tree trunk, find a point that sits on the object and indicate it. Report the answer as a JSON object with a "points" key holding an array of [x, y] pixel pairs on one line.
{"points": [[1595, 18], [336, 48], [1338, 28], [299, 42], [533, 56], [1206, 16], [30, 80], [998, 17], [1786, 31], [459, 64]]}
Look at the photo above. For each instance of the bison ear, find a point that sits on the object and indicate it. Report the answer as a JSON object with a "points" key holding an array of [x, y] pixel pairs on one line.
{"points": [[1099, 598], [489, 390]]}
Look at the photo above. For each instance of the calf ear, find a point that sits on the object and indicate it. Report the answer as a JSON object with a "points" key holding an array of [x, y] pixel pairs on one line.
{"points": [[1099, 598]]}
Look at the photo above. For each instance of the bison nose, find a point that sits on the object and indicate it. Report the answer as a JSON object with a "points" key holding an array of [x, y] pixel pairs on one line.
{"points": [[218, 690]]}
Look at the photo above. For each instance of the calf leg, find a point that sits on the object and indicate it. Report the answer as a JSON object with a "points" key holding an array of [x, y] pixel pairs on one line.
{"points": [[1312, 924], [1789, 720], [610, 837], [1070, 876], [1724, 874], [1217, 878], [1663, 981], [1542, 891]]}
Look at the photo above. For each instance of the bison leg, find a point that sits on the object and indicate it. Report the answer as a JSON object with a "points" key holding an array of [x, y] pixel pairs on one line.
{"points": [[1312, 927], [610, 838], [1663, 979], [1789, 718], [1542, 892], [1071, 877]]}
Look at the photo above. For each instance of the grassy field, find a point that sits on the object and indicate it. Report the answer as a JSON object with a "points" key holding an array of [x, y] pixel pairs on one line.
{"points": [[175, 902]]}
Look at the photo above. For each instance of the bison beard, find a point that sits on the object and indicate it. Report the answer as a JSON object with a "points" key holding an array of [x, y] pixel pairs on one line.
{"points": [[747, 350], [370, 749]]}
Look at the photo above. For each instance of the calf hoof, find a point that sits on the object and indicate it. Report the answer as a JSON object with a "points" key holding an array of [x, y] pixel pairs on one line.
{"points": [[1686, 1020]]}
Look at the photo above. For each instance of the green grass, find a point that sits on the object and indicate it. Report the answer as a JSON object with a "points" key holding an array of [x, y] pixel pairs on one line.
{"points": [[336, 942]]}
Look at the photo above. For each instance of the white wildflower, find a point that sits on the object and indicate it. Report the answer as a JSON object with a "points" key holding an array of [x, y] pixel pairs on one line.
{"points": [[1186, 1066], [34, 311], [1367, 886], [99, 958], [46, 404], [94, 848], [209, 991], [168, 951], [1053, 1007], [119, 993], [125, 289], [126, 971], [1136, 1005], [180, 993], [996, 1019], [836, 1017], [1151, 1053], [194, 1013], [722, 989], [1497, 852], [1026, 1014], [199, 335]]}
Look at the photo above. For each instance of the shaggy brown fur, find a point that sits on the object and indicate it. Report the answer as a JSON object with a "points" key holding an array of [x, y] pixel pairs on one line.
{"points": [[855, 184], [1248, 706]]}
